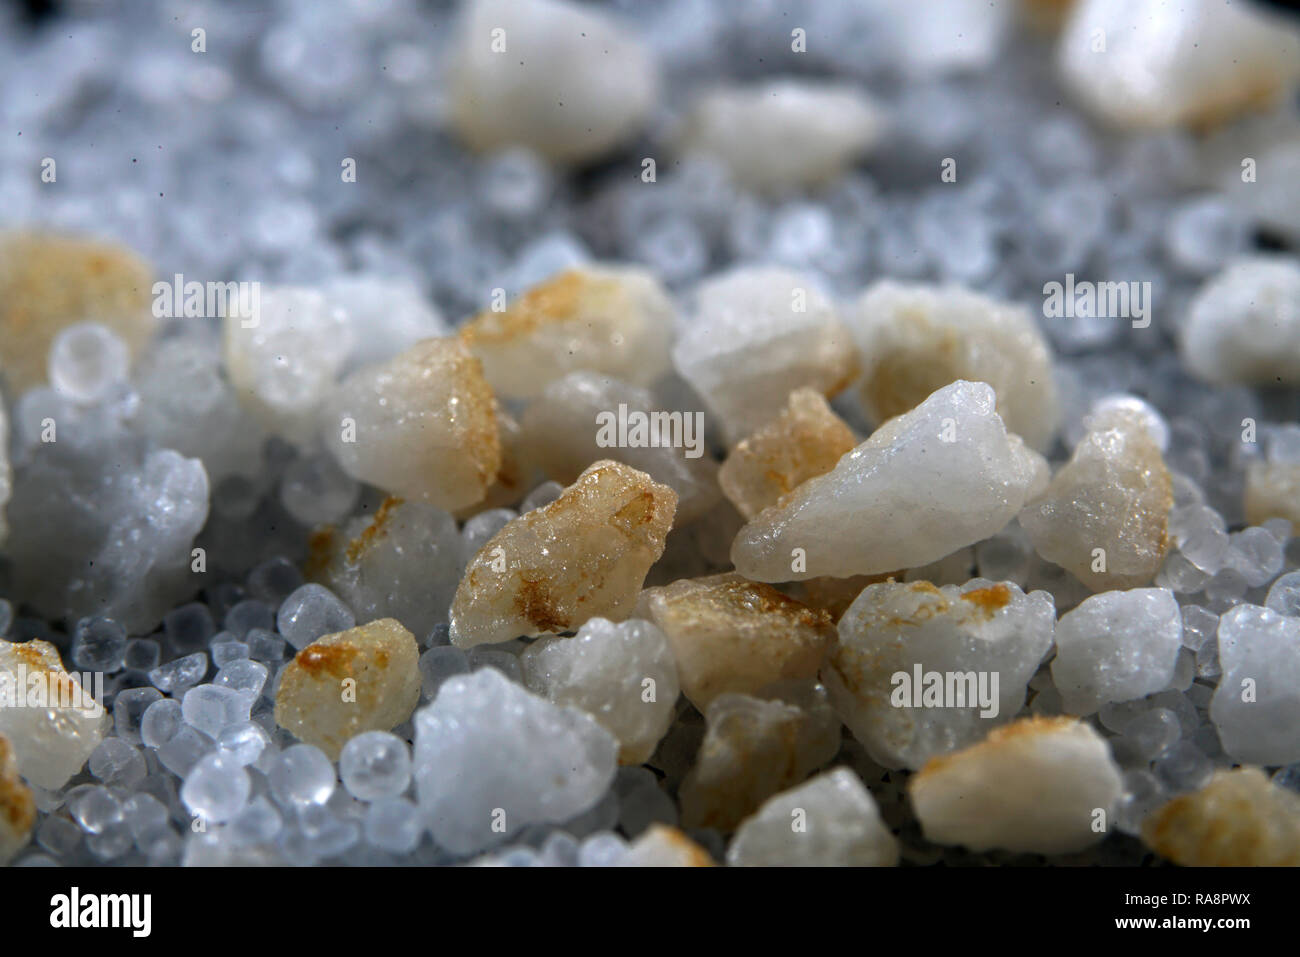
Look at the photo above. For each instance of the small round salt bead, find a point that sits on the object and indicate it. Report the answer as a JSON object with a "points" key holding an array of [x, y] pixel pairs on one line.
{"points": [[1183, 768], [142, 654], [1153, 732], [310, 612], [1284, 595], [246, 615], [145, 815], [243, 743], [95, 809], [245, 676], [99, 644], [129, 708], [224, 652], [118, 764], [216, 788], [212, 708], [316, 491], [393, 824], [375, 764], [274, 580], [189, 627], [86, 360], [303, 775], [161, 721]]}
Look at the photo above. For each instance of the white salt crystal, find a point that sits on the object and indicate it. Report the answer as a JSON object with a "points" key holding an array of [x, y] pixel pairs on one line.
{"points": [[385, 315], [1255, 708], [1243, 326], [1117, 646], [928, 482]]}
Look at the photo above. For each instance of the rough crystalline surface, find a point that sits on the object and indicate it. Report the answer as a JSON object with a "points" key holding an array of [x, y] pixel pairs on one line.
{"points": [[1117, 646], [785, 132], [804, 441], [1034, 786], [1243, 326], [913, 339], [1256, 707], [1197, 62], [616, 320], [663, 846], [583, 556], [492, 758], [49, 282], [401, 562], [547, 74], [830, 821], [961, 637], [422, 425], [50, 743], [1239, 819], [363, 679], [1105, 516], [926, 483], [758, 334], [754, 748], [385, 315], [17, 806], [588, 416], [283, 360], [622, 674], [729, 634]]}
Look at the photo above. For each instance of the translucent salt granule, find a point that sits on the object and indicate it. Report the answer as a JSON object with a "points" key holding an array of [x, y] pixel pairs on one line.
{"points": [[1284, 595], [99, 644], [176, 676], [243, 676], [141, 654], [375, 765], [212, 708], [129, 707], [385, 314], [86, 361], [161, 721], [931, 481], [1255, 709], [243, 742], [310, 612], [224, 652], [216, 788], [118, 764], [274, 580], [439, 664], [189, 627], [302, 776], [394, 825], [315, 491]]}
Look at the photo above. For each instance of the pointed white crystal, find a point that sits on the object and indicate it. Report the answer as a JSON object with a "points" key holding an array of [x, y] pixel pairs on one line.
{"points": [[945, 475], [622, 674], [974, 632], [914, 338], [830, 821], [1256, 708], [492, 758], [1117, 646], [758, 334], [1036, 786], [1243, 326], [785, 132]]}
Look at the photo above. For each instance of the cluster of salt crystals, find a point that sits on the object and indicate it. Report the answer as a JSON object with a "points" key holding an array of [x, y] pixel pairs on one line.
{"points": [[757, 334], [1243, 326], [1040, 785], [1196, 64], [981, 629], [583, 556], [1105, 515], [547, 74], [945, 475], [430, 400], [732, 635], [577, 421], [1238, 819], [616, 320], [804, 441], [749, 129]]}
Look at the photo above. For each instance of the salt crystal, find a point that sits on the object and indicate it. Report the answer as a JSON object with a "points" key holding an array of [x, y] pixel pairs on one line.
{"points": [[913, 339], [180, 674], [1035, 786], [1238, 819], [243, 742], [662, 846], [583, 556], [492, 758], [554, 76], [753, 749], [243, 676], [978, 629], [302, 776], [1199, 63], [385, 315], [310, 612], [439, 664], [805, 440], [1272, 492], [1255, 708], [17, 807], [758, 334], [315, 491], [375, 765], [284, 361], [393, 824], [1105, 516], [830, 821], [99, 644], [1284, 595], [118, 764], [421, 425], [785, 132], [576, 421], [161, 721], [363, 679], [732, 635], [50, 743], [1117, 646], [614, 320], [49, 282], [928, 482], [1243, 326], [622, 674], [216, 788]]}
